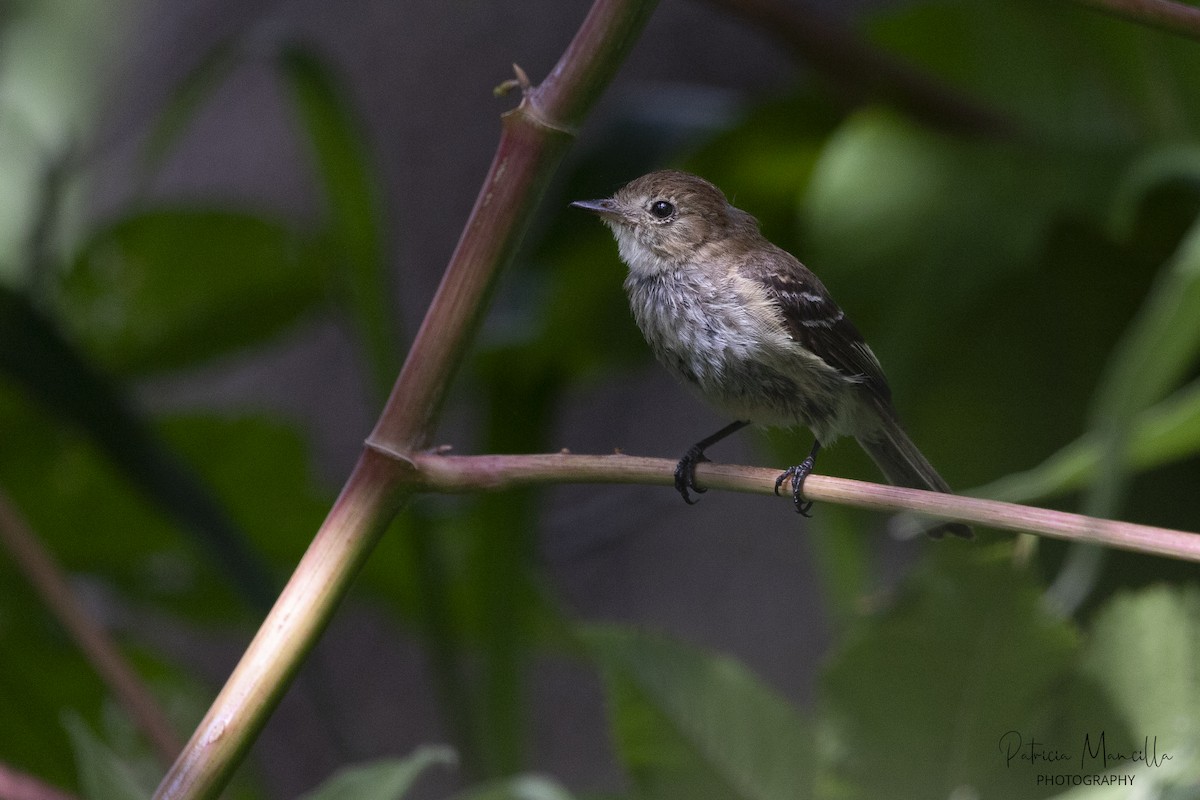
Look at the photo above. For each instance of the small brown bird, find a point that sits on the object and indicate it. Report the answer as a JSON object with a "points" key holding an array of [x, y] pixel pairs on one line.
{"points": [[753, 330]]}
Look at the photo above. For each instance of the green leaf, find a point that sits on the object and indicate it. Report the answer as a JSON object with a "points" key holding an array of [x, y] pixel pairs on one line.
{"points": [[691, 724], [260, 469], [68, 400], [1165, 432], [521, 787], [1158, 348], [186, 99], [102, 776], [1064, 72], [167, 288], [1142, 649], [339, 148], [918, 697], [1157, 167], [41, 673], [56, 60], [386, 779], [949, 216]]}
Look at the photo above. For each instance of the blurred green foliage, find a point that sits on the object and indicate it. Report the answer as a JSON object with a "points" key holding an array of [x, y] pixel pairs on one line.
{"points": [[691, 724], [1033, 296], [382, 780], [141, 303]]}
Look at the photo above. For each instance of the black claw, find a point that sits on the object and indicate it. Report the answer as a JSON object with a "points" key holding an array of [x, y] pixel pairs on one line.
{"points": [[685, 475], [685, 470], [797, 474]]}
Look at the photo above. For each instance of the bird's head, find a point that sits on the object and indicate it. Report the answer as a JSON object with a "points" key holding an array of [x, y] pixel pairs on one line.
{"points": [[664, 219]]}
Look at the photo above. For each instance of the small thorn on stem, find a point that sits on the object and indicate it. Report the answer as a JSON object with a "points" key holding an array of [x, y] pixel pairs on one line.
{"points": [[522, 78], [520, 82]]}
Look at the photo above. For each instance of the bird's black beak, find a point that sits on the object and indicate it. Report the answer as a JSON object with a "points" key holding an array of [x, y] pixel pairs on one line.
{"points": [[605, 208]]}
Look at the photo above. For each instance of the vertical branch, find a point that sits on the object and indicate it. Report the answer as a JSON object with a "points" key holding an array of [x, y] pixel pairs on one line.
{"points": [[533, 139]]}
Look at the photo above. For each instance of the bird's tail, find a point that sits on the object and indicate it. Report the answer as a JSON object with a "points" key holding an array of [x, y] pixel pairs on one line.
{"points": [[905, 465]]}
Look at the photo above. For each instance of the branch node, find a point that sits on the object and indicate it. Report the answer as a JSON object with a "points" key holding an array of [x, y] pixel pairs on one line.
{"points": [[388, 451], [529, 106], [521, 81]]}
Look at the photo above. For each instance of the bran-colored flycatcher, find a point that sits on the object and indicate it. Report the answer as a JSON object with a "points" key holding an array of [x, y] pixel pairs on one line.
{"points": [[753, 330]]}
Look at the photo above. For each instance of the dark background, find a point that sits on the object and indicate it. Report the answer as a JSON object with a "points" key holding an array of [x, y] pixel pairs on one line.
{"points": [[997, 272]]}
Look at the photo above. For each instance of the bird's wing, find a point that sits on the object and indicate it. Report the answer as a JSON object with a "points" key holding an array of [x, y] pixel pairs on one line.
{"points": [[817, 323]]}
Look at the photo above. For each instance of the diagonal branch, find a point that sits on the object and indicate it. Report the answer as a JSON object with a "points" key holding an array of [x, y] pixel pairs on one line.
{"points": [[48, 580], [534, 138], [859, 69], [436, 472], [1166, 15], [16, 785]]}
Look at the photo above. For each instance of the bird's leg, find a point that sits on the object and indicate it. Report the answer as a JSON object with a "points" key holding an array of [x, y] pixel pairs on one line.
{"points": [[798, 473], [685, 470]]}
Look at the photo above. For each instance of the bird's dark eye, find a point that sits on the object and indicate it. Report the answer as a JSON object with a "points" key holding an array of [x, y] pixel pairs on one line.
{"points": [[662, 209]]}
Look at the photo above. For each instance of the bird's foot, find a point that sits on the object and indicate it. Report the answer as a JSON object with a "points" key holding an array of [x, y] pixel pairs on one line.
{"points": [[685, 474], [797, 474]]}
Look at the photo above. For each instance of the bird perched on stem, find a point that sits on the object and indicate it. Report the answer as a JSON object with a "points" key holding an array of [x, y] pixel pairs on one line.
{"points": [[753, 330]]}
